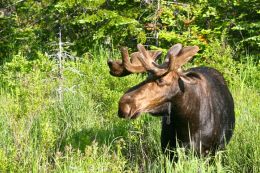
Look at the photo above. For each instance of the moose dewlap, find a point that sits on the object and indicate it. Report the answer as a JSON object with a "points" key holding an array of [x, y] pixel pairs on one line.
{"points": [[196, 105]]}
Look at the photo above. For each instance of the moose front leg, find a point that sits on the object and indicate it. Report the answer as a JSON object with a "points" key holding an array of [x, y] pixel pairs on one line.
{"points": [[168, 137]]}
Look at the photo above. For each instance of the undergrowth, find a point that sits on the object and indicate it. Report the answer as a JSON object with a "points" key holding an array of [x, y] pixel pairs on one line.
{"points": [[82, 133]]}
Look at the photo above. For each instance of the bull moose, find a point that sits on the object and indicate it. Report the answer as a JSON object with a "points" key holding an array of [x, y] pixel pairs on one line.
{"points": [[196, 105]]}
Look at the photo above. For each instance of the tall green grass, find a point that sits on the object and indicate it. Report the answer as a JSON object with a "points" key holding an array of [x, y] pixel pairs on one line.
{"points": [[82, 133]]}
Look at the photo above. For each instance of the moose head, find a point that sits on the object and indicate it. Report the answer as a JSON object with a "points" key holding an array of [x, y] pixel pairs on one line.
{"points": [[164, 82]]}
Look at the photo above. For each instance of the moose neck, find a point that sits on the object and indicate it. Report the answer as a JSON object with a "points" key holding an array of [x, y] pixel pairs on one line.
{"points": [[186, 103]]}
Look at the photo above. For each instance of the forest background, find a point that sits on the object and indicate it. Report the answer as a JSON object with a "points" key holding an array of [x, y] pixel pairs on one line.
{"points": [[58, 103]]}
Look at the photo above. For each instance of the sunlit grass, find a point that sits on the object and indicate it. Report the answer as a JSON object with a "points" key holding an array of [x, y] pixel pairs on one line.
{"points": [[83, 133]]}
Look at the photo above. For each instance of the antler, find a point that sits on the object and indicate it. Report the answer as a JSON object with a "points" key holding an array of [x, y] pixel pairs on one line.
{"points": [[129, 65], [155, 68], [176, 57], [144, 60]]}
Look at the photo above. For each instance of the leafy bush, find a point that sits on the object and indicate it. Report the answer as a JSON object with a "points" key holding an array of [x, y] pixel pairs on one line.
{"points": [[31, 26]]}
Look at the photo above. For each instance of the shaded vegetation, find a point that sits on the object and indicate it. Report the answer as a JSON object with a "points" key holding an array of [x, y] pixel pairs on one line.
{"points": [[31, 26]]}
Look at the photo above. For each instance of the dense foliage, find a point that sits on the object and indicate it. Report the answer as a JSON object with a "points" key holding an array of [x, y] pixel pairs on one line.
{"points": [[30, 26]]}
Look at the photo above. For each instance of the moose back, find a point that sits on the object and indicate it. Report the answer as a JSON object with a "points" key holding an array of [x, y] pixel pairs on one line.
{"points": [[196, 105]]}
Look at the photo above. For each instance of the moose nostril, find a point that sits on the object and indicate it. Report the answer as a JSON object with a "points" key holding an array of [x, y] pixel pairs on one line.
{"points": [[123, 110], [120, 113], [109, 62]]}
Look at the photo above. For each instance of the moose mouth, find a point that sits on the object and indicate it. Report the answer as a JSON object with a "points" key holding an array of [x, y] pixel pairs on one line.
{"points": [[129, 115], [135, 115]]}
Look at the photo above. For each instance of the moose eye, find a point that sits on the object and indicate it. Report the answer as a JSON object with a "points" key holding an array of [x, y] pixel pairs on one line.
{"points": [[160, 81]]}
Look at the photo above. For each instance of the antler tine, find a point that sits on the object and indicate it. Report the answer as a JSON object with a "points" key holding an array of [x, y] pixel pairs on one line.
{"points": [[125, 55], [173, 51], [155, 54], [148, 62], [145, 57], [128, 65], [171, 55], [186, 53]]}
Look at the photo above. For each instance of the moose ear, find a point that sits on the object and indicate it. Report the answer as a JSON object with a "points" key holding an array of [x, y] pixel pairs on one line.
{"points": [[185, 55], [190, 77]]}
